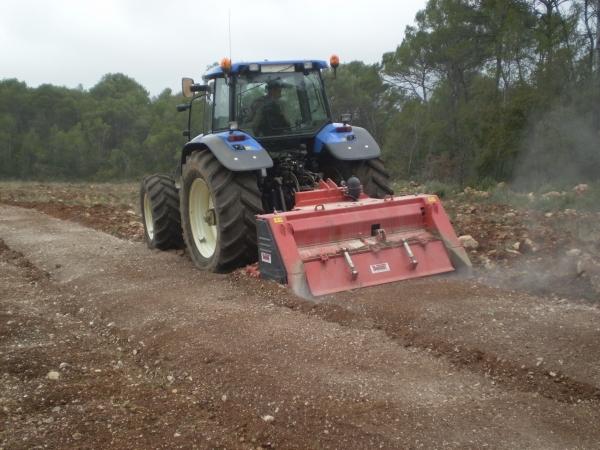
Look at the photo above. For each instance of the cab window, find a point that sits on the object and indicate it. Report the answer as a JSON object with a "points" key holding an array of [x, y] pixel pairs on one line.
{"points": [[221, 105]]}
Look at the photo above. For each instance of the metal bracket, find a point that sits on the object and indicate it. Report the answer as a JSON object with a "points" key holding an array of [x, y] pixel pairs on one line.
{"points": [[381, 236], [411, 255], [350, 264]]}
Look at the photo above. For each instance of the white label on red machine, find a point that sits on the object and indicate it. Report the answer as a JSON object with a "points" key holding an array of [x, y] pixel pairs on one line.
{"points": [[265, 257], [380, 267]]}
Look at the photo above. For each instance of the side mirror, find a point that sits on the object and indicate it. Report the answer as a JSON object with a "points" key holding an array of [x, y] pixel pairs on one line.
{"points": [[346, 118], [186, 87], [183, 107]]}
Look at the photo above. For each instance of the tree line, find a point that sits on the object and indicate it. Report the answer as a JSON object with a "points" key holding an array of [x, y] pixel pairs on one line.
{"points": [[113, 131], [478, 91]]}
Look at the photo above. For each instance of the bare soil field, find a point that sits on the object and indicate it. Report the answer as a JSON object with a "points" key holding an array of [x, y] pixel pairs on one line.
{"points": [[106, 343]]}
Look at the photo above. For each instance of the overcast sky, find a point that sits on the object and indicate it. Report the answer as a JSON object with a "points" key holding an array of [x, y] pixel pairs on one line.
{"points": [[68, 42]]}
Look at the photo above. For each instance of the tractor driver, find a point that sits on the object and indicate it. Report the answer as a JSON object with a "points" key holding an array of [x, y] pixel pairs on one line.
{"points": [[268, 118]]}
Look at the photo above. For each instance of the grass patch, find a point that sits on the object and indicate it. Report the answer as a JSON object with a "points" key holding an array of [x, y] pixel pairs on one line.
{"points": [[548, 198]]}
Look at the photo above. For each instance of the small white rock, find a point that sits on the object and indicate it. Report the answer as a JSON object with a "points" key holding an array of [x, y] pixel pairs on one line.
{"points": [[268, 418], [552, 194], [53, 375], [489, 264], [581, 267], [468, 242], [224, 397], [529, 245], [539, 362]]}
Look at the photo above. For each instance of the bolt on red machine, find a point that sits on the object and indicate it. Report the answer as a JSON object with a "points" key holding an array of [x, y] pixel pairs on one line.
{"points": [[335, 240]]}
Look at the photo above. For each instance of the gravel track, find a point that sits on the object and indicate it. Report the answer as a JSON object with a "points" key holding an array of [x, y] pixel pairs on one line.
{"points": [[160, 355]]}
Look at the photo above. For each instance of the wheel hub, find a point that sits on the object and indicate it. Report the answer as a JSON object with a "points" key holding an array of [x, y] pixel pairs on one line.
{"points": [[210, 217], [203, 218]]}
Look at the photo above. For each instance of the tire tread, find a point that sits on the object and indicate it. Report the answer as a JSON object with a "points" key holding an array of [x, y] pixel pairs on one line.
{"points": [[237, 200], [164, 202]]}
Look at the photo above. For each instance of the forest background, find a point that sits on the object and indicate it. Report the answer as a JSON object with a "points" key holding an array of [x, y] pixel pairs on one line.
{"points": [[479, 91]]}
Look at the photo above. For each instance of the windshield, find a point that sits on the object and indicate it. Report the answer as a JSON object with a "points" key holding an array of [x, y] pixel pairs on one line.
{"points": [[278, 104]]}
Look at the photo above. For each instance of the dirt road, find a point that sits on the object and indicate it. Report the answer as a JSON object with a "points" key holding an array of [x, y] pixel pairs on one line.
{"points": [[151, 353]]}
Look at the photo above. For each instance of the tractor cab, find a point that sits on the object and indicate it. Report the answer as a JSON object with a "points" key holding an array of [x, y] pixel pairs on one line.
{"points": [[271, 101], [272, 118]]}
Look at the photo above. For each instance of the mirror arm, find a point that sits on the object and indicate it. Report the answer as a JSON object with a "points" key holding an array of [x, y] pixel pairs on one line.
{"points": [[189, 126]]}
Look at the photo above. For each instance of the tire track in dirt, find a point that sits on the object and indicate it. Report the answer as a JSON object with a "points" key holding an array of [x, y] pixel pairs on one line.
{"points": [[103, 397], [509, 374]]}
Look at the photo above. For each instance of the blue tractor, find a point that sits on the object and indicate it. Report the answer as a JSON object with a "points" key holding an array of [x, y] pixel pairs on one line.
{"points": [[268, 134]]}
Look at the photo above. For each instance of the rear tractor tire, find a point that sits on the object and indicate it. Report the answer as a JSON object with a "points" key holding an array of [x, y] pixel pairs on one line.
{"points": [[218, 209], [375, 179], [159, 203], [371, 172]]}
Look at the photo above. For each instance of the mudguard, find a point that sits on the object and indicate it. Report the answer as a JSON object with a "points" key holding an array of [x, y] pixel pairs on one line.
{"points": [[356, 144], [238, 155]]}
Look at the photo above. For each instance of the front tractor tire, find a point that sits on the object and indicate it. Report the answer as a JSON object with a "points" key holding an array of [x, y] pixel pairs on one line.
{"points": [[218, 209], [159, 203]]}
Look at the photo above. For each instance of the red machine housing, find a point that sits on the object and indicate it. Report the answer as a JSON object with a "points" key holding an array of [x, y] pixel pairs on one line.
{"points": [[330, 243]]}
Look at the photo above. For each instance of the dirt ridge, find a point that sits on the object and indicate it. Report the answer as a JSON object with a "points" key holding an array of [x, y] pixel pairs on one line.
{"points": [[550, 384]]}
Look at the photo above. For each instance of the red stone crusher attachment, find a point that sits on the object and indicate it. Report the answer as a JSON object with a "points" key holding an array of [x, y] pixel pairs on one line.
{"points": [[335, 240]]}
